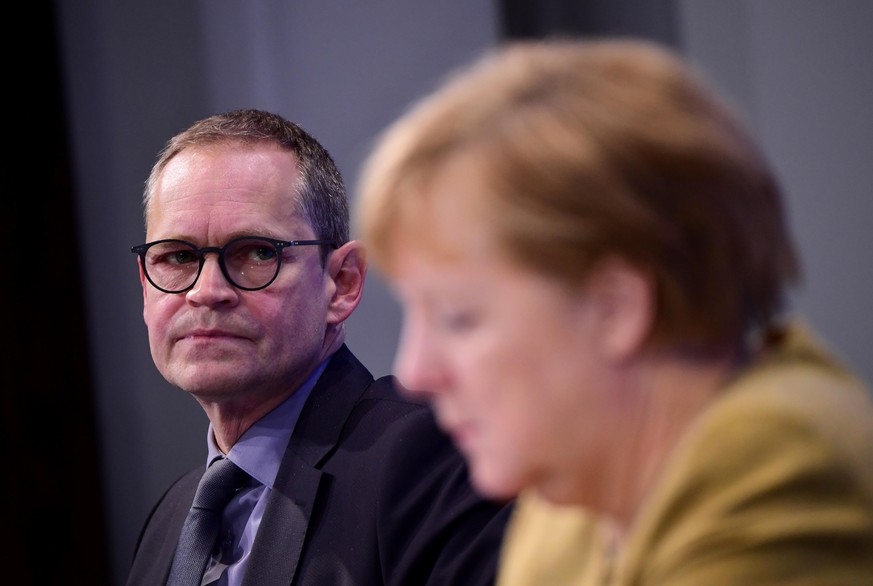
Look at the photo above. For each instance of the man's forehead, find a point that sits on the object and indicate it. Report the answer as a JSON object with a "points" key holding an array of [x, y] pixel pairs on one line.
{"points": [[256, 186]]}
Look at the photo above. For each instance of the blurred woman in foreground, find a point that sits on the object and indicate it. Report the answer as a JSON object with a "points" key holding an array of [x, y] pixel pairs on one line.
{"points": [[592, 256]]}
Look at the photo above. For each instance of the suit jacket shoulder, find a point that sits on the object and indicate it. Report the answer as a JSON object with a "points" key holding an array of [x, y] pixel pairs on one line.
{"points": [[773, 484]]}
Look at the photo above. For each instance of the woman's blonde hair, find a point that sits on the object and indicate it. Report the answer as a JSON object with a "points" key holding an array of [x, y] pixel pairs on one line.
{"points": [[592, 149]]}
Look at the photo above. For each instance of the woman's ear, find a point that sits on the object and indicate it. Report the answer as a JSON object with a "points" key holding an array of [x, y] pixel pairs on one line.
{"points": [[347, 269], [624, 303]]}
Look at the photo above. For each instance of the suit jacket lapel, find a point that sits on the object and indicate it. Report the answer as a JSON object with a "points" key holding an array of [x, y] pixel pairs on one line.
{"points": [[276, 551]]}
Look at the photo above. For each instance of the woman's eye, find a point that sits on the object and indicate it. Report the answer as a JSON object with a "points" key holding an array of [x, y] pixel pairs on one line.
{"points": [[458, 321]]}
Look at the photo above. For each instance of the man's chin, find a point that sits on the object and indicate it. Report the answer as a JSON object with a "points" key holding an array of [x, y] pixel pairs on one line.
{"points": [[210, 392], [210, 384]]}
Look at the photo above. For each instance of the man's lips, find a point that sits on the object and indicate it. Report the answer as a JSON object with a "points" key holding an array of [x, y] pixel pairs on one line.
{"points": [[210, 334]]}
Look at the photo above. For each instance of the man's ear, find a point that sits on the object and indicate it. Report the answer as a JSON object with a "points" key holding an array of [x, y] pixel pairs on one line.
{"points": [[625, 304], [347, 268]]}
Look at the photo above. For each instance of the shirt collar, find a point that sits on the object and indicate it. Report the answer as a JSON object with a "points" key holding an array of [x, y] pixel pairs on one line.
{"points": [[260, 449]]}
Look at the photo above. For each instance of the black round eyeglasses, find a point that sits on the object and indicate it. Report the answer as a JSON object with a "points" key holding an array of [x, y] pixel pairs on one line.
{"points": [[249, 263]]}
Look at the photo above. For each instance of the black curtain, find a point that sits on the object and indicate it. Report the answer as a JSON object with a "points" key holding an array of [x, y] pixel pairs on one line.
{"points": [[650, 19], [53, 521]]}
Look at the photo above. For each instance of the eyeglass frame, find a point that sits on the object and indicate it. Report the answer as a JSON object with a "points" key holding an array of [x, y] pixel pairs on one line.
{"points": [[201, 253]]}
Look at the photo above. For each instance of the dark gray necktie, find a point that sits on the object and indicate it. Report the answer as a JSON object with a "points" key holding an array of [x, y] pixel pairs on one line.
{"points": [[200, 531]]}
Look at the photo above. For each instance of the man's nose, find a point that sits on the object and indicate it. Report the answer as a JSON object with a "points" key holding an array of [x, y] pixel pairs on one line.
{"points": [[212, 287]]}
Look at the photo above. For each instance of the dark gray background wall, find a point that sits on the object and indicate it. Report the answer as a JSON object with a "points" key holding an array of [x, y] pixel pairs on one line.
{"points": [[135, 73]]}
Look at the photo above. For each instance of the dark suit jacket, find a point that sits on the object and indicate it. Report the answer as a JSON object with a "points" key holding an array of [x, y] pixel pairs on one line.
{"points": [[369, 492]]}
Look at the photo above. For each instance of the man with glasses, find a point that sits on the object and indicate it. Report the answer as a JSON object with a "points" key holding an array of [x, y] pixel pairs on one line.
{"points": [[248, 275]]}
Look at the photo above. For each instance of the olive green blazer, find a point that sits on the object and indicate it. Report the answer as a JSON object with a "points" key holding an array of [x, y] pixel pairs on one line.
{"points": [[771, 485]]}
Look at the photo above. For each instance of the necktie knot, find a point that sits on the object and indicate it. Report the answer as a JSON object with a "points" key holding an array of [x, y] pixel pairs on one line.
{"points": [[219, 483]]}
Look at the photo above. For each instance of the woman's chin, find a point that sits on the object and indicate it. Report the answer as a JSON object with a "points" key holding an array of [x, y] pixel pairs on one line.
{"points": [[493, 483]]}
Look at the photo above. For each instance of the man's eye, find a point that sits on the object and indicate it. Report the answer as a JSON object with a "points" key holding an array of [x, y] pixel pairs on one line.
{"points": [[181, 257], [251, 252], [263, 253]]}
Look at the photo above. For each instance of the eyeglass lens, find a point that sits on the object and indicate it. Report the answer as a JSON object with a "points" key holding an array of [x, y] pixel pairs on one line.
{"points": [[249, 263]]}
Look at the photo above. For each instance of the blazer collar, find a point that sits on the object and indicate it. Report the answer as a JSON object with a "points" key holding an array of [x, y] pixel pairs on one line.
{"points": [[276, 551]]}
